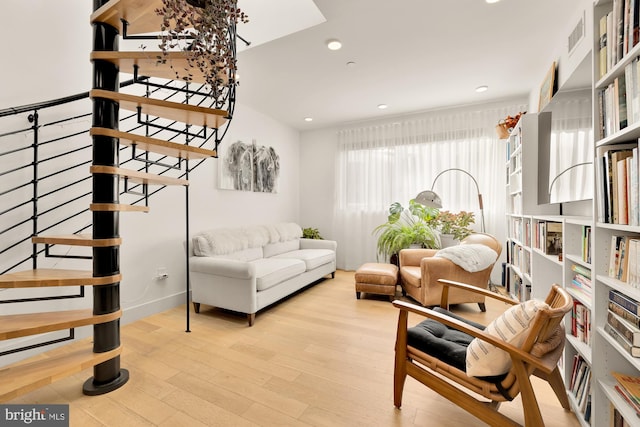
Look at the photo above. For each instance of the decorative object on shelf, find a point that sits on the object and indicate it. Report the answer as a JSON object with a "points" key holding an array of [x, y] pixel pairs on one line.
{"points": [[430, 198], [553, 181], [548, 87], [207, 30], [249, 167], [405, 227], [311, 233], [506, 125]]}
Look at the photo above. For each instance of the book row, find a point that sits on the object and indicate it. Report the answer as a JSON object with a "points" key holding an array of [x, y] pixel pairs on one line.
{"points": [[580, 285], [618, 189], [628, 387], [618, 34], [580, 386], [624, 260], [623, 322], [581, 322], [548, 237]]}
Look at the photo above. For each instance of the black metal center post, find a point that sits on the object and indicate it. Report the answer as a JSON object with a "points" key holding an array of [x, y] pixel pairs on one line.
{"points": [[107, 376]]}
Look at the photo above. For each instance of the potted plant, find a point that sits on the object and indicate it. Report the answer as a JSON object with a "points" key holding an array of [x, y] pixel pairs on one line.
{"points": [[311, 233], [406, 228], [453, 226]]}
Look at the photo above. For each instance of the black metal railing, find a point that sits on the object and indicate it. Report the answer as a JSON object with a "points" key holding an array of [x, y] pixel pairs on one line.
{"points": [[45, 154]]}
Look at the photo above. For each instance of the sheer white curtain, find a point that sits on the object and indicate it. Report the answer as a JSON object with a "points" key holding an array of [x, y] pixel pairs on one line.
{"points": [[571, 144], [381, 164]]}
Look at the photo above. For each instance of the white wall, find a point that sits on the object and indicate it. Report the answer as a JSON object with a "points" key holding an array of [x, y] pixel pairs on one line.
{"points": [[155, 240], [45, 50], [317, 180]]}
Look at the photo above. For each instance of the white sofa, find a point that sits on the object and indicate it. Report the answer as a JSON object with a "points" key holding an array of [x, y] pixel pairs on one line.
{"points": [[245, 269]]}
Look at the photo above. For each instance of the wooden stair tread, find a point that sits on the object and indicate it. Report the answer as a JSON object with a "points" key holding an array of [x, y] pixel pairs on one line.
{"points": [[140, 14], [21, 325], [116, 207], [152, 64], [23, 377], [138, 176], [154, 145], [76, 240], [45, 277], [185, 113]]}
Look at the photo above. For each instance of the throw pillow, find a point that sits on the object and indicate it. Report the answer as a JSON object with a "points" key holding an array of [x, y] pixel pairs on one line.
{"points": [[484, 359]]}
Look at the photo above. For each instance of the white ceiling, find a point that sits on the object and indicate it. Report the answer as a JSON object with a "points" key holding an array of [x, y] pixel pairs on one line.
{"points": [[412, 55]]}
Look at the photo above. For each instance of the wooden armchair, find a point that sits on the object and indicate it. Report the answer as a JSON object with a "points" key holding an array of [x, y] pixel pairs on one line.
{"points": [[420, 272], [538, 355]]}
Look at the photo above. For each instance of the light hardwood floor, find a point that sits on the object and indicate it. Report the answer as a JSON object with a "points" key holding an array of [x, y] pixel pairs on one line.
{"points": [[319, 358]]}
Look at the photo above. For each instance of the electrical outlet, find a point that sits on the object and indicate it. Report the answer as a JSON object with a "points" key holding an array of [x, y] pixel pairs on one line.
{"points": [[161, 273]]}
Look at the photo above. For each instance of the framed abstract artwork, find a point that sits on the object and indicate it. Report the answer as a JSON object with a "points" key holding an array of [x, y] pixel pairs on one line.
{"points": [[249, 167]]}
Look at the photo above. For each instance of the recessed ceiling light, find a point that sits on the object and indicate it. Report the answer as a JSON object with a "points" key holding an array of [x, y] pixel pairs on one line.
{"points": [[334, 44], [308, 119], [492, 1], [382, 106], [351, 64], [483, 88]]}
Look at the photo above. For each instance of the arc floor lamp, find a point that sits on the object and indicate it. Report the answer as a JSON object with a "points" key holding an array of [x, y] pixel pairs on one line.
{"points": [[562, 173], [431, 199]]}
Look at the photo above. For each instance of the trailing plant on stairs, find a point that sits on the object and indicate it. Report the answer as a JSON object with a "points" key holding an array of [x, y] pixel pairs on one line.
{"points": [[205, 29]]}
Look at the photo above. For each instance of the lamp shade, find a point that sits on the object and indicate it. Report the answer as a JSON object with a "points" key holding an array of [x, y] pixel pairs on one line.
{"points": [[429, 199]]}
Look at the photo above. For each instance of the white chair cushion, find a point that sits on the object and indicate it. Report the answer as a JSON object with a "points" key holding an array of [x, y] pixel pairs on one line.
{"points": [[484, 359]]}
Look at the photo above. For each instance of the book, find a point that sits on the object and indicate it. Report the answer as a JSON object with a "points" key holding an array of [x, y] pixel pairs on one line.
{"points": [[618, 184], [630, 383], [632, 350], [583, 271], [627, 398], [633, 278], [614, 256], [553, 238], [602, 53], [627, 302], [632, 191], [624, 313], [623, 270], [621, 191], [630, 331]]}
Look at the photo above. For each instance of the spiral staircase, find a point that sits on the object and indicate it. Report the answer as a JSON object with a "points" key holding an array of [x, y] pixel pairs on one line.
{"points": [[110, 20]]}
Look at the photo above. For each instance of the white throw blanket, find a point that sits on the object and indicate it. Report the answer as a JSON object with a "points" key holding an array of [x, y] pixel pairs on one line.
{"points": [[471, 257]]}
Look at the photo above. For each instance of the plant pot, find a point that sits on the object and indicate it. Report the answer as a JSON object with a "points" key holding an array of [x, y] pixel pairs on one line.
{"points": [[447, 240]]}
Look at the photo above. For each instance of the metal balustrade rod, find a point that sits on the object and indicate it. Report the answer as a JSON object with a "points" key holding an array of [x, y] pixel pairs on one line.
{"points": [[33, 118]]}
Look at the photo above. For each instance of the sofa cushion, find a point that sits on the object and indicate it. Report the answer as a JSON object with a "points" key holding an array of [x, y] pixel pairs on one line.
{"points": [[219, 242], [250, 254], [273, 249], [289, 231], [312, 257], [271, 271]]}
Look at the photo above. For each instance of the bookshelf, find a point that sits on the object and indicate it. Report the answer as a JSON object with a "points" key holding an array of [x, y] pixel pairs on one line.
{"points": [[616, 129], [522, 190]]}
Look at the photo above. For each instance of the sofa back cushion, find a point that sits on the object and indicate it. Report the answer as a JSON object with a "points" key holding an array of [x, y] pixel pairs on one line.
{"points": [[250, 254], [219, 242], [273, 249], [246, 243]]}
